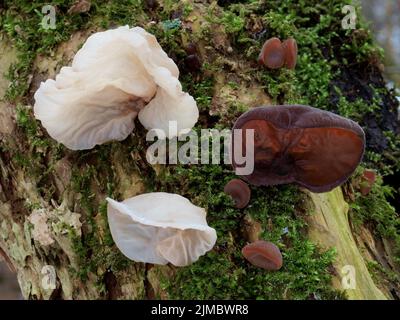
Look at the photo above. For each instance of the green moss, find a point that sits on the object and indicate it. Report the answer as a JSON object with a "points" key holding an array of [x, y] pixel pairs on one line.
{"points": [[30, 127], [93, 175], [122, 12], [315, 28], [81, 184], [382, 275], [93, 255], [309, 82], [222, 273], [108, 240], [22, 23], [233, 23], [25, 121], [202, 91], [376, 213], [32, 152], [375, 210], [327, 53]]}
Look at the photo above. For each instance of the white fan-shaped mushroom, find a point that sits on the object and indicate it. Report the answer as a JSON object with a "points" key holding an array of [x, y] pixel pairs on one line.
{"points": [[159, 228], [115, 75]]}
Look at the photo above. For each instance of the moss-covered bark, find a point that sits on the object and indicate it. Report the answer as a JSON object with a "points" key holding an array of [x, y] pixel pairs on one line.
{"points": [[52, 200], [329, 227]]}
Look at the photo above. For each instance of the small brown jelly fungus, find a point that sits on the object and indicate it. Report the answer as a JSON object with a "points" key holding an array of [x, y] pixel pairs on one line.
{"points": [[367, 181], [264, 255], [191, 48], [193, 63], [290, 49], [239, 191], [299, 144], [272, 54], [152, 4]]}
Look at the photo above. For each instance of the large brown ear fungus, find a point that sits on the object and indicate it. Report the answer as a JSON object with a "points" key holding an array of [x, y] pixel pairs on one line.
{"points": [[316, 149], [272, 54], [239, 191], [263, 254]]}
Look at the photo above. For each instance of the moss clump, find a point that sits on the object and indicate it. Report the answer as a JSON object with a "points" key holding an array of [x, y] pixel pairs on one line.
{"points": [[375, 211], [202, 91], [383, 275], [323, 61], [333, 65], [21, 21], [95, 249], [223, 273], [33, 151]]}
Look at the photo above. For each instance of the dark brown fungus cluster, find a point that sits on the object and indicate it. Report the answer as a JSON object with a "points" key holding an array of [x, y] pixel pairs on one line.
{"points": [[264, 255], [275, 54], [151, 4], [299, 144], [192, 61], [191, 48], [239, 191]]}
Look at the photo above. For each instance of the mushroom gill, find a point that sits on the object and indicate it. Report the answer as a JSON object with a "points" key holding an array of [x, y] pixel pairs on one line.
{"points": [[117, 75], [160, 228]]}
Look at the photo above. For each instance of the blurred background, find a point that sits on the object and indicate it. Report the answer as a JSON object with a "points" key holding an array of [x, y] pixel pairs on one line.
{"points": [[9, 288], [384, 19]]}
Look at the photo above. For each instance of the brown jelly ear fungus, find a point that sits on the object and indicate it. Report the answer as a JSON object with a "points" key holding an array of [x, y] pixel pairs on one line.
{"points": [[264, 255], [367, 181], [290, 50], [239, 191], [272, 54], [276, 54], [299, 144]]}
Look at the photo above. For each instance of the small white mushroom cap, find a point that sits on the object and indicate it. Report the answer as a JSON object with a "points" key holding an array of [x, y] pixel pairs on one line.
{"points": [[115, 75], [160, 228]]}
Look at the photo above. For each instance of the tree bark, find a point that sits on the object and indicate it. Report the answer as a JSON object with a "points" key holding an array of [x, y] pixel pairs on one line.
{"points": [[52, 206]]}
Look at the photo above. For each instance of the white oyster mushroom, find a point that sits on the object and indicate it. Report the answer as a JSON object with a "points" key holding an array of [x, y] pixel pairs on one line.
{"points": [[115, 76], [160, 228]]}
